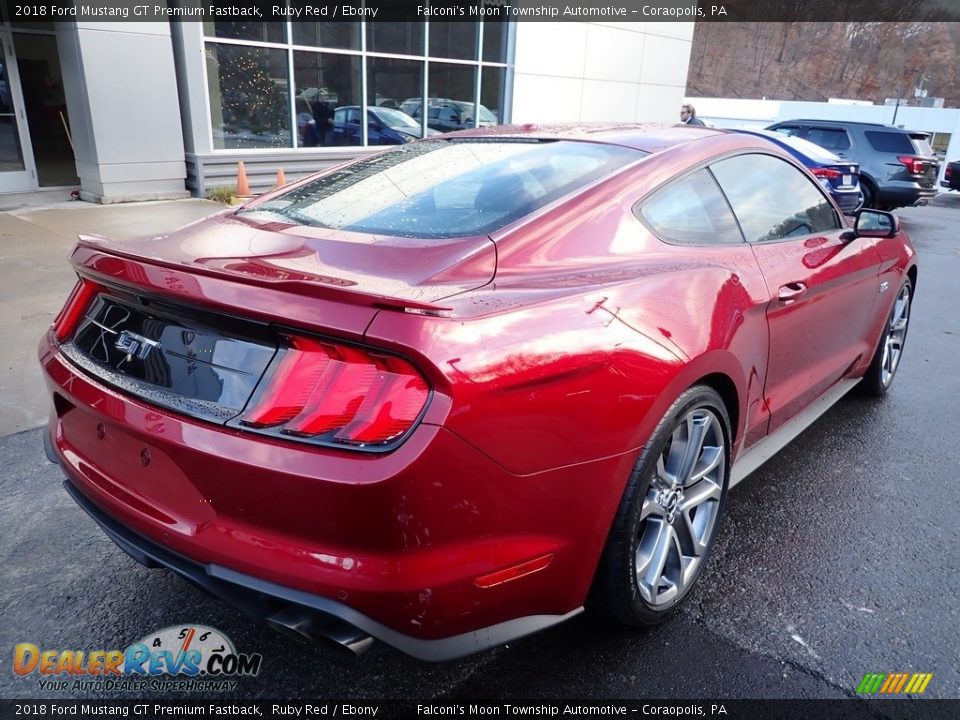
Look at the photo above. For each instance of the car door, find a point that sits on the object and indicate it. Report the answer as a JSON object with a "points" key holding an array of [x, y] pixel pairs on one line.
{"points": [[822, 287]]}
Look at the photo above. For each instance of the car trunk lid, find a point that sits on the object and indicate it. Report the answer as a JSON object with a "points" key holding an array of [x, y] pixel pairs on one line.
{"points": [[191, 321]]}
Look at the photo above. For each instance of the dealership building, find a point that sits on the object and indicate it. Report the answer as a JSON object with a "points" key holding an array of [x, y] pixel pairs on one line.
{"points": [[129, 110]]}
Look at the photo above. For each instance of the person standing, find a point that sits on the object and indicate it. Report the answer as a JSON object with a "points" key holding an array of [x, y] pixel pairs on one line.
{"points": [[688, 115]]}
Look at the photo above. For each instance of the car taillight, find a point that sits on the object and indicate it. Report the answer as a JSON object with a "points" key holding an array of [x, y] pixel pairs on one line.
{"points": [[948, 172], [827, 173], [78, 302], [339, 393], [914, 165]]}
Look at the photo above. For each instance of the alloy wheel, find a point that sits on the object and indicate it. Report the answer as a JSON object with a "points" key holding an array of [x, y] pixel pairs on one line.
{"points": [[896, 335], [681, 508]]}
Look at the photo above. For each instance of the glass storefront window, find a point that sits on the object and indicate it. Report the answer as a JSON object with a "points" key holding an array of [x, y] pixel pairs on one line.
{"points": [[394, 84], [450, 105], [492, 81], [324, 82], [494, 41], [249, 96], [344, 35], [454, 40], [345, 91], [246, 30], [401, 38]]}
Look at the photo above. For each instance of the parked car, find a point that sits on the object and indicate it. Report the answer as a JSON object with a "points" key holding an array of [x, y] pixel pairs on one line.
{"points": [[951, 176], [897, 167], [840, 179], [445, 115], [385, 126], [449, 394]]}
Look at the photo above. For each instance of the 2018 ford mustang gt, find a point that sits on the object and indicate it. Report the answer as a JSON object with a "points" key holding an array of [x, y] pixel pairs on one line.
{"points": [[451, 394]]}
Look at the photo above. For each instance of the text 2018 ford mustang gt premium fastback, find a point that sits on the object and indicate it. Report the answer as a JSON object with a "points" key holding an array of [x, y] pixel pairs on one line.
{"points": [[453, 393]]}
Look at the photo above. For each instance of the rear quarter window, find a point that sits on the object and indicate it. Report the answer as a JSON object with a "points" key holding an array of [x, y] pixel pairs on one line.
{"points": [[889, 142], [691, 210]]}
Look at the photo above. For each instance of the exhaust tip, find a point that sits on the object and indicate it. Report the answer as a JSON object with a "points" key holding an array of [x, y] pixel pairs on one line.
{"points": [[309, 626]]}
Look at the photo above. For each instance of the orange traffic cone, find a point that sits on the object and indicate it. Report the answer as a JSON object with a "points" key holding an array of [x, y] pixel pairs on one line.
{"points": [[243, 187], [281, 178]]}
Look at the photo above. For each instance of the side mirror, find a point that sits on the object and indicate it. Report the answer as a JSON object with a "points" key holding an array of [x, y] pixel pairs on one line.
{"points": [[875, 223]]}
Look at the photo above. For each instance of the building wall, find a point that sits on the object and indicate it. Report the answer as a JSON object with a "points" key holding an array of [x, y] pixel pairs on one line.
{"points": [[121, 93], [571, 72]]}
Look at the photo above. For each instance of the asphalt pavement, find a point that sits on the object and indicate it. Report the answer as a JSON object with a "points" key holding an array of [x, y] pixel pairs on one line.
{"points": [[836, 559]]}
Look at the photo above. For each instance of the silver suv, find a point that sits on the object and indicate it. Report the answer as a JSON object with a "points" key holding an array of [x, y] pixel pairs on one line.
{"points": [[897, 166]]}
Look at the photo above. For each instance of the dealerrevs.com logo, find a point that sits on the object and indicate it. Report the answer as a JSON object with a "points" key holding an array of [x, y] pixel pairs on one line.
{"points": [[185, 658]]}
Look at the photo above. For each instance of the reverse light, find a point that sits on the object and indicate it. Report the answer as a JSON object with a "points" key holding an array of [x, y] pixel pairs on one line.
{"points": [[338, 394], [914, 165], [77, 303]]}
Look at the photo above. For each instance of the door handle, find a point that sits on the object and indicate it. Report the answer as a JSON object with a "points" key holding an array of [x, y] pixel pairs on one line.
{"points": [[791, 291]]}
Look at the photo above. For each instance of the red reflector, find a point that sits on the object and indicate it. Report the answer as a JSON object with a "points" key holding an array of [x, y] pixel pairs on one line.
{"points": [[73, 310], [914, 165], [514, 573], [827, 173], [339, 393]]}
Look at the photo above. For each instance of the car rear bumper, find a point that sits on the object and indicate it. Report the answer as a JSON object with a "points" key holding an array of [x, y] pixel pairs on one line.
{"points": [[847, 200], [392, 544], [268, 601], [900, 194]]}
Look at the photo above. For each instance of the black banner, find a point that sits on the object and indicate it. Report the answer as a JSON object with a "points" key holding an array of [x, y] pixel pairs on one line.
{"points": [[488, 10], [348, 709]]}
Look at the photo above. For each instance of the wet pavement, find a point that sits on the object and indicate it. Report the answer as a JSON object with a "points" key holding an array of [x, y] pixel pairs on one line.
{"points": [[836, 559]]}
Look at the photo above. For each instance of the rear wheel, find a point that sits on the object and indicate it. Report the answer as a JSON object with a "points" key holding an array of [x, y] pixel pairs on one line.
{"points": [[868, 194], [886, 359], [669, 515]]}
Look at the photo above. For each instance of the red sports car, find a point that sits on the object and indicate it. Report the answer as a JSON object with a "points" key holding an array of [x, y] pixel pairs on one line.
{"points": [[451, 394]]}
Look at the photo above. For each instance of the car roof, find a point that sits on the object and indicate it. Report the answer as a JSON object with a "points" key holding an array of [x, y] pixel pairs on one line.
{"points": [[842, 123], [809, 150], [648, 137]]}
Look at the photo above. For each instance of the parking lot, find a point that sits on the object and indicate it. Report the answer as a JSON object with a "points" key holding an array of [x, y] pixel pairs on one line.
{"points": [[836, 559]]}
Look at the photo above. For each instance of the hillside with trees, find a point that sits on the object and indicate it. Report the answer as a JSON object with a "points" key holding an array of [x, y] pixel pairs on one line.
{"points": [[817, 60]]}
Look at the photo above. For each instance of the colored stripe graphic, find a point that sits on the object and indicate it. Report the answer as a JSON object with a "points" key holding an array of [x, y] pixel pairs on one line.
{"points": [[894, 683], [891, 679]]}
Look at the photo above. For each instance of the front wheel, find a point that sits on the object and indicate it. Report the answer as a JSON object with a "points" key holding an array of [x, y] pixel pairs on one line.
{"points": [[886, 359], [669, 515]]}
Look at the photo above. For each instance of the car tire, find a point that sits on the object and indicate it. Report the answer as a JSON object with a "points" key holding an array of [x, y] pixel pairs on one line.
{"points": [[886, 359], [868, 194], [669, 515]]}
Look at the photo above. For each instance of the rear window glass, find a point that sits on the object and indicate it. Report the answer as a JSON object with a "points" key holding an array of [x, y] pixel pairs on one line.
{"points": [[891, 142], [447, 188], [921, 144]]}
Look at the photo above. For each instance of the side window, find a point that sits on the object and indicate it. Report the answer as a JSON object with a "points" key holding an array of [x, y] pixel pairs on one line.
{"points": [[690, 210], [892, 142], [788, 130], [353, 116], [829, 138], [772, 199]]}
